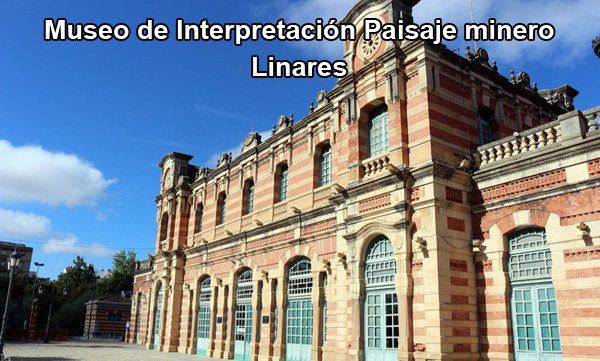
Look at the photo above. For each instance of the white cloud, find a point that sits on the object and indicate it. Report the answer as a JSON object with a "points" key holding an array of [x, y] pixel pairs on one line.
{"points": [[575, 22], [69, 244], [31, 173], [14, 224], [235, 151]]}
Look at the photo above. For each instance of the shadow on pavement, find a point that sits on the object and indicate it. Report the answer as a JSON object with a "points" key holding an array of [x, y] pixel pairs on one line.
{"points": [[15, 358]]}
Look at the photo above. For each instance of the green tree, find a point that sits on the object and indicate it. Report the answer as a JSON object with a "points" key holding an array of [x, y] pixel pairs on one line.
{"points": [[120, 277], [77, 279]]}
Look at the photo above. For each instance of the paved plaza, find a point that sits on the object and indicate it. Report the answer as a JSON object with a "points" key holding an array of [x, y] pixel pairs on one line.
{"points": [[89, 351]]}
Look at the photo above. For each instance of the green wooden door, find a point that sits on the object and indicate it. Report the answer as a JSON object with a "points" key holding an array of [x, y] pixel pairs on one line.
{"points": [[243, 331], [203, 318], [158, 317], [534, 311], [243, 316], [299, 311], [536, 330], [381, 302]]}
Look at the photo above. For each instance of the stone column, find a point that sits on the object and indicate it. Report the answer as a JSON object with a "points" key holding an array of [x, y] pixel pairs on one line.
{"points": [[214, 308], [229, 323], [317, 302], [256, 318], [279, 346], [266, 342]]}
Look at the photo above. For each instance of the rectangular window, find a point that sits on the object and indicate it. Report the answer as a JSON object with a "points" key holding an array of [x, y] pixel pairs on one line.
{"points": [[325, 166], [200, 213], [379, 141], [250, 207], [115, 317], [283, 184], [485, 130], [223, 208]]}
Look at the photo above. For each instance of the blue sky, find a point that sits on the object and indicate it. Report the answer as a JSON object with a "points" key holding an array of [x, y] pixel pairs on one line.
{"points": [[83, 124]]}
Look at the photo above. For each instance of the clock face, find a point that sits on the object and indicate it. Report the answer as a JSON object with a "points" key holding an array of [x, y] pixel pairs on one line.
{"points": [[282, 119], [168, 179], [249, 138]]}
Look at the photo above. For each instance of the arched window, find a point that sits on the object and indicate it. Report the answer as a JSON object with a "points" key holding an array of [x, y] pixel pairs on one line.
{"points": [[164, 223], [222, 208], [381, 301], [534, 310], [485, 129], [325, 165], [299, 311], [158, 316], [199, 217], [283, 183], [249, 197], [243, 316], [203, 317], [378, 131]]}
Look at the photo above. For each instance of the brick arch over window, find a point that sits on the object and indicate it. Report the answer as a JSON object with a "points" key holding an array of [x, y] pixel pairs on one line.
{"points": [[526, 218]]}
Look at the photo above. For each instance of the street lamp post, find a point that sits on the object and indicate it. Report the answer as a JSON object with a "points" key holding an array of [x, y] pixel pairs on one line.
{"points": [[36, 277], [13, 262], [33, 290], [52, 298], [92, 307]]}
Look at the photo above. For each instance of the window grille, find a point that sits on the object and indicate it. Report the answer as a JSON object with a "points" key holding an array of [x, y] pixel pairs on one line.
{"points": [[485, 129], [205, 290], [250, 198], [223, 208], [378, 131], [529, 256], [244, 286], [283, 183], [380, 265], [325, 165], [300, 280], [157, 319], [200, 217]]}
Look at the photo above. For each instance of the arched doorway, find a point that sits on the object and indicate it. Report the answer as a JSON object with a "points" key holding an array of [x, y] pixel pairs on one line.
{"points": [[299, 311], [158, 316], [243, 316], [203, 317], [381, 302], [536, 333]]}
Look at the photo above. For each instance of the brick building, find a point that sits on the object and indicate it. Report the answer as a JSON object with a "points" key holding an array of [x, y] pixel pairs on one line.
{"points": [[108, 316], [7, 248], [427, 208]]}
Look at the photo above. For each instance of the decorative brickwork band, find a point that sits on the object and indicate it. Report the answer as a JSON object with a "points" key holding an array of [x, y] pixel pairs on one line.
{"points": [[224, 252], [318, 227], [455, 87], [483, 266], [582, 254], [272, 239], [374, 203], [594, 168], [521, 186], [414, 194]]}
